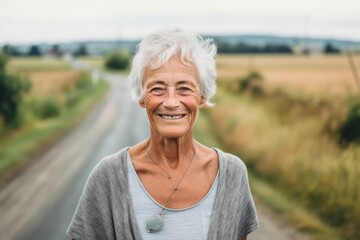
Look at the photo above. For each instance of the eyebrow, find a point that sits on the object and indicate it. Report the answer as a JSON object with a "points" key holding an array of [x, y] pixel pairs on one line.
{"points": [[185, 82], [180, 82], [156, 82]]}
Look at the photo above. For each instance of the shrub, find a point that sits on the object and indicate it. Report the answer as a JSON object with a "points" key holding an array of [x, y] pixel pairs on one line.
{"points": [[46, 107], [251, 82], [12, 89], [82, 87], [118, 60], [350, 129]]}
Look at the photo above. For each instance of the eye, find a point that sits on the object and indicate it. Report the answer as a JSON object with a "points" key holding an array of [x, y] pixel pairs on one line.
{"points": [[185, 90], [157, 90]]}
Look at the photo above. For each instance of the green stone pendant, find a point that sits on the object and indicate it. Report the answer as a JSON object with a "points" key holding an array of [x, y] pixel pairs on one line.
{"points": [[154, 223]]}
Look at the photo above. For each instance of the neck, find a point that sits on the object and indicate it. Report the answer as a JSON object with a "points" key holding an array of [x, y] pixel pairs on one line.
{"points": [[172, 152]]}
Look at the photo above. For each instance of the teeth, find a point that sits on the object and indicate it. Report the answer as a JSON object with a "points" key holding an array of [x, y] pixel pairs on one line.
{"points": [[172, 117]]}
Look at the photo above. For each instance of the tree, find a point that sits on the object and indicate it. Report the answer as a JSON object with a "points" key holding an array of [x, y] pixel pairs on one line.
{"points": [[329, 48], [6, 50], [82, 51], [11, 93], [10, 50], [56, 51], [34, 51], [349, 131], [118, 60]]}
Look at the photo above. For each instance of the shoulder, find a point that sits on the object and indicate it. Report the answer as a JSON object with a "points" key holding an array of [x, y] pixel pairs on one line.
{"points": [[109, 167], [232, 170], [230, 161]]}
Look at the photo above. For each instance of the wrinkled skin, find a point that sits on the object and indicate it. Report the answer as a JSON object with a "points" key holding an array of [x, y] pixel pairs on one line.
{"points": [[172, 90]]}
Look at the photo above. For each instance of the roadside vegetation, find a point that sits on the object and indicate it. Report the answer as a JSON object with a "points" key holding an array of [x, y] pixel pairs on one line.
{"points": [[284, 115], [116, 62], [57, 98]]}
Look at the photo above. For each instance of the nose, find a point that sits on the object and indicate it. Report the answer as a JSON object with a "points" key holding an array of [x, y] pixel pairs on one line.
{"points": [[171, 101]]}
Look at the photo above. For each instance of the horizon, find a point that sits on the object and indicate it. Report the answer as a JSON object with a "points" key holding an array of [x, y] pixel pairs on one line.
{"points": [[260, 35]]}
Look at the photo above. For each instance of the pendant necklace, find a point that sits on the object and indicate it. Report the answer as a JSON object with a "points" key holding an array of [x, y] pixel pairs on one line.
{"points": [[155, 222]]}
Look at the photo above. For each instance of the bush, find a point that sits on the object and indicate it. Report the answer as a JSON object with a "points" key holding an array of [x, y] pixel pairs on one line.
{"points": [[350, 129], [82, 87], [12, 89], [118, 61], [251, 82], [46, 108]]}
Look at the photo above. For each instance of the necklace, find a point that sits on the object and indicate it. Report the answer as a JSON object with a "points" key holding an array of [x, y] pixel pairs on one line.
{"points": [[155, 222]]}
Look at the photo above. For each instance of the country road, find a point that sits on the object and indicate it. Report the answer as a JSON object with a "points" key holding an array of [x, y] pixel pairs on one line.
{"points": [[40, 202]]}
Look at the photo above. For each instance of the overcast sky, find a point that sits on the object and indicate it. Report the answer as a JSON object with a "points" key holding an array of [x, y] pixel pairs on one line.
{"points": [[34, 21]]}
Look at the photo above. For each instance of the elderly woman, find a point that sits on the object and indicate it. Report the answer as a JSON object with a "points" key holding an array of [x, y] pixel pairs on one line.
{"points": [[169, 186]]}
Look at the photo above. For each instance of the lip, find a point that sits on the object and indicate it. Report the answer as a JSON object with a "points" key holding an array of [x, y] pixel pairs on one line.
{"points": [[171, 117]]}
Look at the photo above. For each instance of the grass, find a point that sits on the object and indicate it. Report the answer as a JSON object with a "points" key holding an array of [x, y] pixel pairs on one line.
{"points": [[35, 138], [72, 90], [300, 155], [53, 82], [32, 64], [271, 196], [288, 136], [290, 210]]}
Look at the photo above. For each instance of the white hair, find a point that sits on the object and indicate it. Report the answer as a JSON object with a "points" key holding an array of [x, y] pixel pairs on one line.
{"points": [[157, 48]]}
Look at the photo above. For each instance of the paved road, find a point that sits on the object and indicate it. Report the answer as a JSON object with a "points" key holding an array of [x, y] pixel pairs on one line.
{"points": [[39, 204]]}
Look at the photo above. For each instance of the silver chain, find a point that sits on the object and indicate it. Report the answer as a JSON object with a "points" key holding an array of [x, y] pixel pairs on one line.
{"points": [[169, 176]]}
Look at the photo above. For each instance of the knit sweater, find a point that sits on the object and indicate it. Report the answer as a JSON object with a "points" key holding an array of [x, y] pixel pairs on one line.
{"points": [[105, 208]]}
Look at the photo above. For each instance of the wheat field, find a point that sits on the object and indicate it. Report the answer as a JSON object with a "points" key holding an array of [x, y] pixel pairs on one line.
{"points": [[314, 74]]}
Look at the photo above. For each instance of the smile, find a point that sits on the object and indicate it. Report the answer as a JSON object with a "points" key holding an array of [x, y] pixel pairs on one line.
{"points": [[172, 117]]}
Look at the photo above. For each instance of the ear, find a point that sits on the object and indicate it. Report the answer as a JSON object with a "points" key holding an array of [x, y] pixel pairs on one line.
{"points": [[142, 103], [202, 102]]}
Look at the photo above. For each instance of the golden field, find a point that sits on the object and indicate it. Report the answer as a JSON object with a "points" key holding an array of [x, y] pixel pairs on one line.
{"points": [[289, 137], [31, 64], [48, 77], [53, 82], [312, 74]]}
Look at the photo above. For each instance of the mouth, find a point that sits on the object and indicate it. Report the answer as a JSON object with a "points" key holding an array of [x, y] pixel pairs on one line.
{"points": [[172, 117]]}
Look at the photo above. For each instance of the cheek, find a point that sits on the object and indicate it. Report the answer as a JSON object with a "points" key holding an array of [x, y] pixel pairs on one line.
{"points": [[192, 101], [151, 101]]}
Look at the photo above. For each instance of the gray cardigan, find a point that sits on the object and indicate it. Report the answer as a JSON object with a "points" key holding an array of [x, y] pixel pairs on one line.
{"points": [[105, 208]]}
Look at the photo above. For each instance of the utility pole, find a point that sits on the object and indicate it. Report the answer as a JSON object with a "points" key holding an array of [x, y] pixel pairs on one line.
{"points": [[306, 47], [353, 68]]}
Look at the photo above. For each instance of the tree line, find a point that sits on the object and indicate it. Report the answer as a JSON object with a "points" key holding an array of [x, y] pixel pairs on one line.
{"points": [[270, 48], [36, 50], [223, 47]]}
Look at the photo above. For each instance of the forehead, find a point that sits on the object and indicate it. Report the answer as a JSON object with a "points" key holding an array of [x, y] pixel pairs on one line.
{"points": [[174, 69]]}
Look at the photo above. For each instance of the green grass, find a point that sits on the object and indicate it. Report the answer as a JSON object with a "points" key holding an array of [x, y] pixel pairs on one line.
{"points": [[42, 134], [290, 210]]}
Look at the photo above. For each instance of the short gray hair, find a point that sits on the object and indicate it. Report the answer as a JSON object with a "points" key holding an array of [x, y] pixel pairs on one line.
{"points": [[157, 48]]}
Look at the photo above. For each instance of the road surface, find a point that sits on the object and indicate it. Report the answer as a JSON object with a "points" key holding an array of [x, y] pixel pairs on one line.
{"points": [[39, 203]]}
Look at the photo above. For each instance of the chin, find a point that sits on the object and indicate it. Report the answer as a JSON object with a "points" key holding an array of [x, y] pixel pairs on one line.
{"points": [[173, 132]]}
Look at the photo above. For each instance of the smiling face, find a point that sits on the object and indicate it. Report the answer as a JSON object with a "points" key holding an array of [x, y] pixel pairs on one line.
{"points": [[172, 98]]}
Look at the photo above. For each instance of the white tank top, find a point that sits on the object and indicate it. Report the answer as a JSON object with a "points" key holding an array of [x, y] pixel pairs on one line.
{"points": [[189, 223]]}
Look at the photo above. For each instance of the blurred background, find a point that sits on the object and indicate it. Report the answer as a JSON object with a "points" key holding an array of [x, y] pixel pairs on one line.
{"points": [[288, 103]]}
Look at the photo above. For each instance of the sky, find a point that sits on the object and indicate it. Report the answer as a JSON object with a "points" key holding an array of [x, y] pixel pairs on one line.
{"points": [[49, 21]]}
